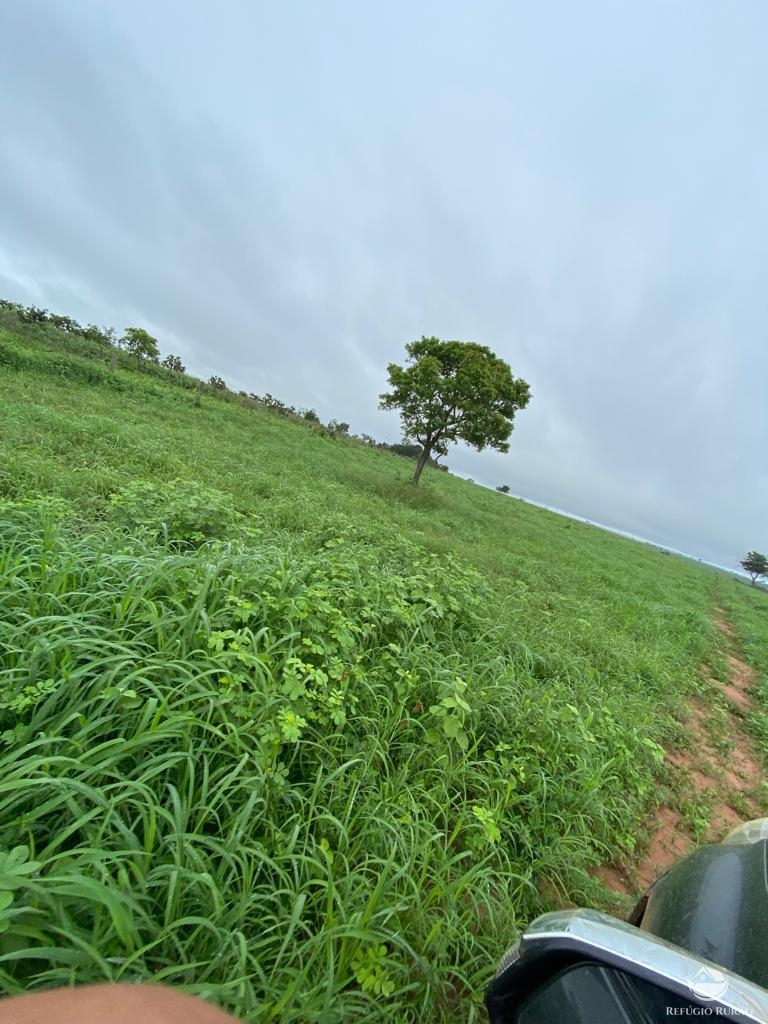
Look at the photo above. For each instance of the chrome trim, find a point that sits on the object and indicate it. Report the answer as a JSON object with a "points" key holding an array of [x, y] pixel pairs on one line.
{"points": [[511, 956], [750, 832], [620, 944]]}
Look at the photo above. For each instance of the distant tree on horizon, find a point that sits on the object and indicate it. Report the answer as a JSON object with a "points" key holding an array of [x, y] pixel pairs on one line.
{"points": [[141, 344], [755, 564], [101, 335], [454, 391], [338, 429], [414, 451], [504, 488], [36, 315], [407, 451], [174, 363], [65, 323], [33, 315]]}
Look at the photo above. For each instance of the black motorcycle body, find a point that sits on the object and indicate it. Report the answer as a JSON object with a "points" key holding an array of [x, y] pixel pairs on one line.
{"points": [[696, 945]]}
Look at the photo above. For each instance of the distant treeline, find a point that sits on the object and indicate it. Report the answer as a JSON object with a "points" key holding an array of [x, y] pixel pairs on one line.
{"points": [[136, 349]]}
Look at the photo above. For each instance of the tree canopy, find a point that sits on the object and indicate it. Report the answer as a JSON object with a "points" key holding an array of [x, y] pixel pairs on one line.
{"points": [[454, 391], [174, 363], [141, 344], [755, 564]]}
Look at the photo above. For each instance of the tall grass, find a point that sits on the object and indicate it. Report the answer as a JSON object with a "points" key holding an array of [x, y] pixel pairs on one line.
{"points": [[280, 730], [318, 787], [747, 609]]}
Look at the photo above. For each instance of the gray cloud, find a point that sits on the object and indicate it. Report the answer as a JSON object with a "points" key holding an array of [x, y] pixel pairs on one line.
{"points": [[286, 196]]}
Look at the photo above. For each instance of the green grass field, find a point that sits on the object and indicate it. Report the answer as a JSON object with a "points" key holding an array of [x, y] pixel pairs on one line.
{"points": [[283, 730]]}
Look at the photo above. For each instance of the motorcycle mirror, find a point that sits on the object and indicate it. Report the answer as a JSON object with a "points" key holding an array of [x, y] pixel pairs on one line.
{"points": [[583, 966]]}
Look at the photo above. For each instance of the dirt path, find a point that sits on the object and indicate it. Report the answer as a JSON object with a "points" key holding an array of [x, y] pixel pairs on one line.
{"points": [[716, 780]]}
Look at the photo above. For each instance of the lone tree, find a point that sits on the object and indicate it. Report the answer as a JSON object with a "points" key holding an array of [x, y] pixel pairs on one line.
{"points": [[755, 564], [454, 391], [141, 344]]}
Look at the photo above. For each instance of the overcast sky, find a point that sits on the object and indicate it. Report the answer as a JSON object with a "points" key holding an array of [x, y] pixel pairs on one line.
{"points": [[285, 194]]}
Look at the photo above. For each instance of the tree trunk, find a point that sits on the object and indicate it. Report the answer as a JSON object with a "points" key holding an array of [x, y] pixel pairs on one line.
{"points": [[423, 459]]}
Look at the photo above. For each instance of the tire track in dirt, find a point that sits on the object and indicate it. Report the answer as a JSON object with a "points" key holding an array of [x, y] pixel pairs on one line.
{"points": [[720, 775]]}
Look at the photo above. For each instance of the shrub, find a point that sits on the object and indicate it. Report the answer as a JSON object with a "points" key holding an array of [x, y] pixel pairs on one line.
{"points": [[173, 363], [178, 513]]}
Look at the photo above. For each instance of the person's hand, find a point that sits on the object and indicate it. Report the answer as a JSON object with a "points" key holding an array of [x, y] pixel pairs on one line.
{"points": [[110, 1004]]}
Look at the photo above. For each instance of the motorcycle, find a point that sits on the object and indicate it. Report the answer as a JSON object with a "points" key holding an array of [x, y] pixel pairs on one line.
{"points": [[695, 945]]}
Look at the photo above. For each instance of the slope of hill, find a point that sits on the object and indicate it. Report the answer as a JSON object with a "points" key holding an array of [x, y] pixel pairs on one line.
{"points": [[284, 730]]}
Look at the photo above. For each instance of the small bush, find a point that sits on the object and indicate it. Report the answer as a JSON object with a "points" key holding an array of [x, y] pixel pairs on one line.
{"points": [[179, 513]]}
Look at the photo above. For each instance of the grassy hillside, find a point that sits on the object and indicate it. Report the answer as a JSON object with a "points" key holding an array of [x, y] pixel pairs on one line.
{"points": [[283, 730]]}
